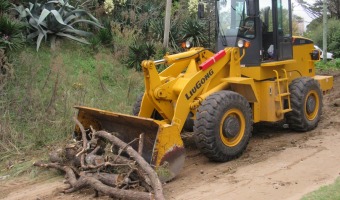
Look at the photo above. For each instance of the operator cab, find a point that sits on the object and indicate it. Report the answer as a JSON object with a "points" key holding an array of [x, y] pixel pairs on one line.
{"points": [[266, 24]]}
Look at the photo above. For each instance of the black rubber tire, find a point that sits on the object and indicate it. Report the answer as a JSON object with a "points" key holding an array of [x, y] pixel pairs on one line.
{"points": [[300, 90], [209, 118], [189, 123], [136, 106]]}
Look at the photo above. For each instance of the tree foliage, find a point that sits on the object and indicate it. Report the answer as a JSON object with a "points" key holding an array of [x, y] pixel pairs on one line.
{"points": [[315, 9], [333, 35]]}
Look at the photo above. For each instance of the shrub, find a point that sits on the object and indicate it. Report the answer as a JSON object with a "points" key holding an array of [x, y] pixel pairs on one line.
{"points": [[10, 29], [95, 43], [195, 31], [10, 33], [105, 34], [4, 6], [333, 35], [138, 52]]}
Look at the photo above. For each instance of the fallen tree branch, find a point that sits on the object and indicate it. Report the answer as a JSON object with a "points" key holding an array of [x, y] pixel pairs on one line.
{"points": [[83, 132], [124, 147], [92, 180], [155, 182], [81, 153]]}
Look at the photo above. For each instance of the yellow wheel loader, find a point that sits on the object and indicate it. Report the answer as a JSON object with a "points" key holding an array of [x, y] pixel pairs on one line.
{"points": [[260, 73]]}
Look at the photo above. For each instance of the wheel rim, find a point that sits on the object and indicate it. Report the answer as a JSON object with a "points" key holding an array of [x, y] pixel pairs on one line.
{"points": [[312, 105], [232, 127]]}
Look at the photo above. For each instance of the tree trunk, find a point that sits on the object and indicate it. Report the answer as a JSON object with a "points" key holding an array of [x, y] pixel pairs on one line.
{"points": [[167, 23]]}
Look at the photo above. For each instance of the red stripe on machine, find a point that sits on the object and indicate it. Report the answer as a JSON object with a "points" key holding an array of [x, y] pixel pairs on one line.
{"points": [[212, 60]]}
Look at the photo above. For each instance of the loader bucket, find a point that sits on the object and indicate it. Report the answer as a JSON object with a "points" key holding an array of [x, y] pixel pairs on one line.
{"points": [[162, 148]]}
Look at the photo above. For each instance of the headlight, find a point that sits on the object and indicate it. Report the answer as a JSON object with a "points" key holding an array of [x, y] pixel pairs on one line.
{"points": [[243, 43], [188, 44], [240, 43]]}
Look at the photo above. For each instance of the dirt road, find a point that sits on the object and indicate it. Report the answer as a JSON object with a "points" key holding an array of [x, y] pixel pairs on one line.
{"points": [[278, 164]]}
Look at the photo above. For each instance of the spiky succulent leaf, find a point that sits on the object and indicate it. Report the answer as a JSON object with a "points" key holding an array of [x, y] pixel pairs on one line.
{"points": [[33, 35], [43, 15], [58, 17], [69, 18], [40, 37], [87, 22], [34, 22], [78, 32], [73, 38], [20, 10], [80, 13], [61, 2]]}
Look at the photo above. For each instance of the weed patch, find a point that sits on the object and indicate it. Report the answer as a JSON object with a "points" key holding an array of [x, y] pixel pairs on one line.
{"points": [[329, 65]]}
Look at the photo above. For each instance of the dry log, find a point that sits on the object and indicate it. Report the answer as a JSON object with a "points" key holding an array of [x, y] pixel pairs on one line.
{"points": [[155, 182], [56, 156], [140, 144], [94, 160], [112, 192], [112, 180], [68, 170], [66, 156], [120, 160], [83, 133]]}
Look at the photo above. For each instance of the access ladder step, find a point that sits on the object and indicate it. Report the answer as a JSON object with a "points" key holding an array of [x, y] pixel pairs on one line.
{"points": [[281, 79], [285, 110], [280, 96]]}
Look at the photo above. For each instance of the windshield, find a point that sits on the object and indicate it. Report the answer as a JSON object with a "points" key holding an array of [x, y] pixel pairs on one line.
{"points": [[233, 19]]}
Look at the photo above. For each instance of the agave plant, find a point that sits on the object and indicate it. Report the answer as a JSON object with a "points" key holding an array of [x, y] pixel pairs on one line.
{"points": [[56, 18]]}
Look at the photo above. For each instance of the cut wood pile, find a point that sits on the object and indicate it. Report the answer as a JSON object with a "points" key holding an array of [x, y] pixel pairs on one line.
{"points": [[89, 163]]}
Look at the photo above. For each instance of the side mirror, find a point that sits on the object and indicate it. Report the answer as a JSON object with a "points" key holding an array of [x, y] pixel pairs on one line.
{"points": [[251, 8], [200, 10], [315, 54]]}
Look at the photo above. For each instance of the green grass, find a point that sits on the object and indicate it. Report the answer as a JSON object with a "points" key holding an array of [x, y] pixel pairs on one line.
{"points": [[37, 105], [329, 192]]}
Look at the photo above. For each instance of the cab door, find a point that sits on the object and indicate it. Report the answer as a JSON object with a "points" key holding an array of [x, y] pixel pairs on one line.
{"points": [[283, 30]]}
